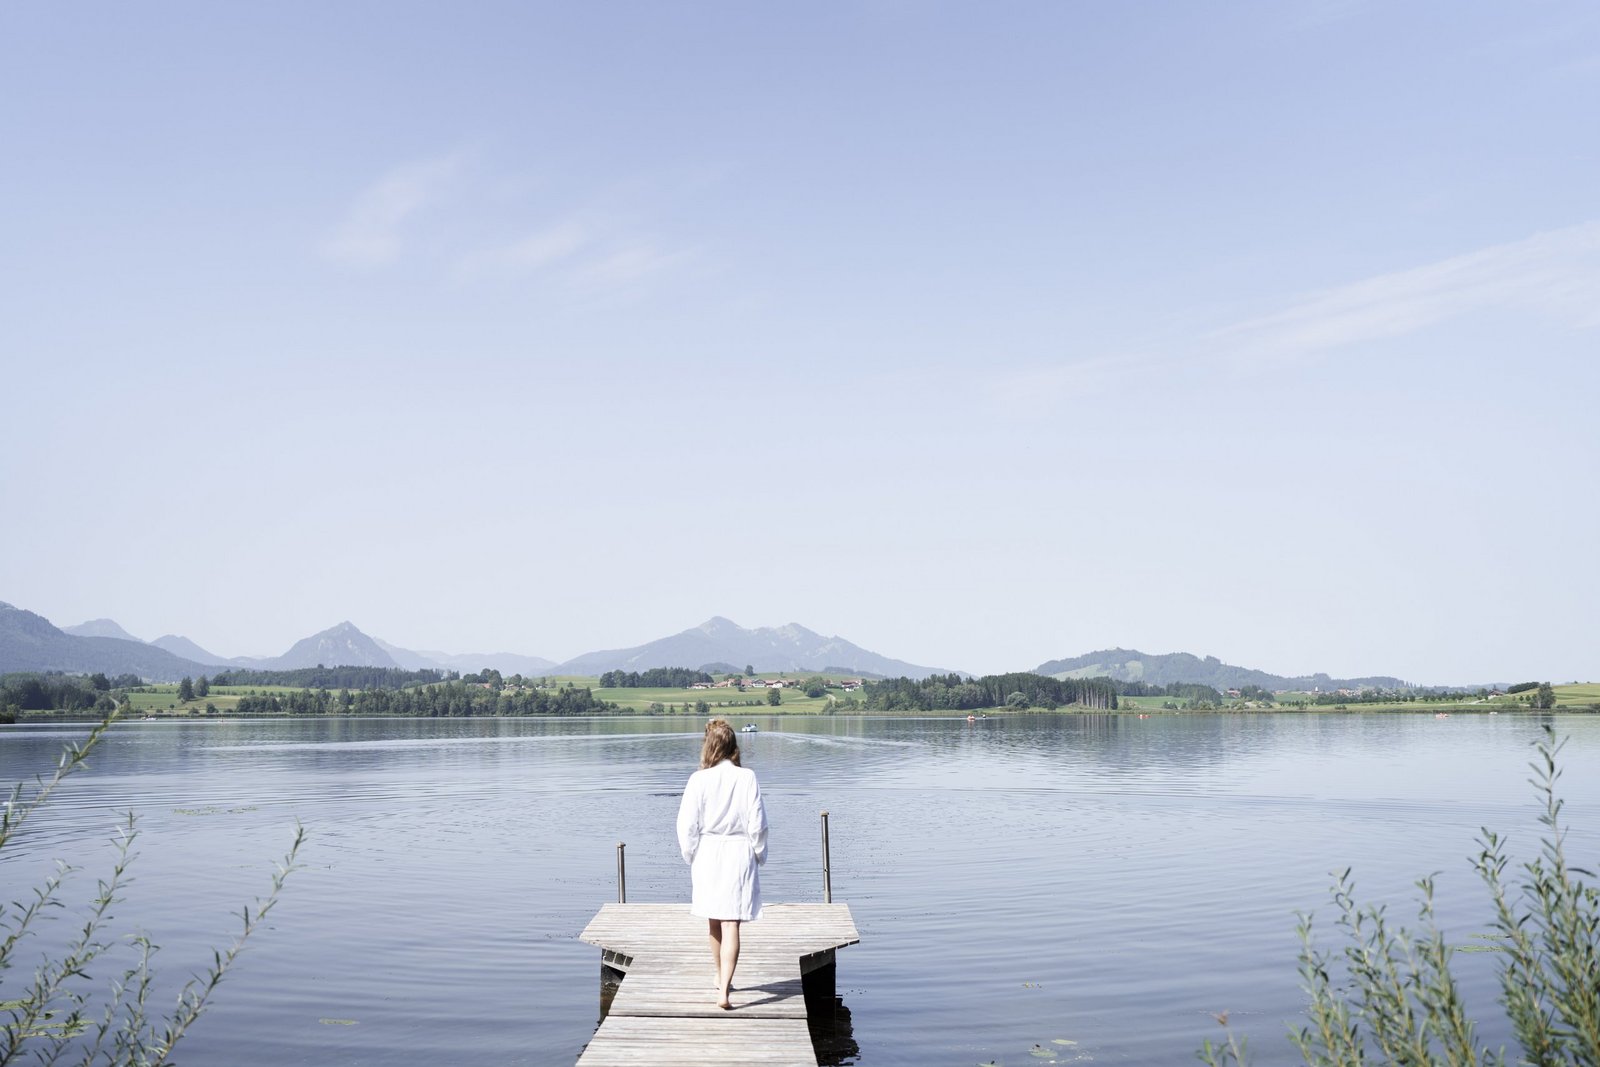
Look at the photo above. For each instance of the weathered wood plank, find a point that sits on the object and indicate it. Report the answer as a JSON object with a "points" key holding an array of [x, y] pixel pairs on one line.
{"points": [[729, 1042], [801, 928], [689, 992], [664, 1012]]}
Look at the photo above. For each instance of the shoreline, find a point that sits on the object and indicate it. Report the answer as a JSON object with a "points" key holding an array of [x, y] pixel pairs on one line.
{"points": [[41, 718]]}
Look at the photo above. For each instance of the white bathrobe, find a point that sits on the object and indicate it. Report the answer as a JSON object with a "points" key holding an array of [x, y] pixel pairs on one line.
{"points": [[722, 832]]}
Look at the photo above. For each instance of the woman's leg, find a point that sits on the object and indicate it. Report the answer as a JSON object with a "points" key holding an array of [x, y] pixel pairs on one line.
{"points": [[730, 960], [715, 927]]}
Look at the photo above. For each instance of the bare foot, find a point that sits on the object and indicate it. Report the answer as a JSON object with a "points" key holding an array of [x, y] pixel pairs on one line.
{"points": [[724, 1005]]}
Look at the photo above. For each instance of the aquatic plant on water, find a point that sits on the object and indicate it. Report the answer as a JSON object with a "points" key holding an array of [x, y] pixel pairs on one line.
{"points": [[61, 1014], [1389, 995]]}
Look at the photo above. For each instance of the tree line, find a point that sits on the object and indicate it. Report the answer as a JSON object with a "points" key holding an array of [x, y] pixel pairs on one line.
{"points": [[953, 692], [452, 699], [654, 678], [320, 677], [43, 691]]}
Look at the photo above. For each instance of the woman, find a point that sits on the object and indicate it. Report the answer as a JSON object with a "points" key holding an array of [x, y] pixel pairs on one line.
{"points": [[722, 831]]}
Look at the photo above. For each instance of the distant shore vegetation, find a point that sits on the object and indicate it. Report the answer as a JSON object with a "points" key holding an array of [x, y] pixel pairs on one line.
{"points": [[377, 691], [320, 677], [656, 677], [1018, 692]]}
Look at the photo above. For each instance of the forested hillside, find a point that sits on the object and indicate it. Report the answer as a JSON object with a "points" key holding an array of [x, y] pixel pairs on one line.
{"points": [[953, 692]]}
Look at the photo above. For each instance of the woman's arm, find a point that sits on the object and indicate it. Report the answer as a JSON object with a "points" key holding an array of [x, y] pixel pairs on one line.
{"points": [[689, 821], [757, 821]]}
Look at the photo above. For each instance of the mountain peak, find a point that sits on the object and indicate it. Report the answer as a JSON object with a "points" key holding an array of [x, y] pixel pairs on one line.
{"points": [[793, 630], [101, 628], [338, 646], [184, 648], [769, 648]]}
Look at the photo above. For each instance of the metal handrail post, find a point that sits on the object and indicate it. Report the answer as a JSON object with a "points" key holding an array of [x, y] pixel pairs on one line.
{"points": [[622, 876], [827, 865]]}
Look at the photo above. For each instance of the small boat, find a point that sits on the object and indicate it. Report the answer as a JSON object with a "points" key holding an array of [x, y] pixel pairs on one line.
{"points": [[972, 718], [748, 728]]}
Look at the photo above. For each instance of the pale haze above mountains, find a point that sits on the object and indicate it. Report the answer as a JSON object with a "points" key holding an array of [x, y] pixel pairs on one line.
{"points": [[29, 642]]}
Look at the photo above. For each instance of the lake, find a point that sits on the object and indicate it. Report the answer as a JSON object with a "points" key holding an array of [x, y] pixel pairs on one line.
{"points": [[1109, 880]]}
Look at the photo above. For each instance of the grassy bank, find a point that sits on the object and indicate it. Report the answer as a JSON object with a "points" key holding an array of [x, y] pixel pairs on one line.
{"points": [[161, 701]]}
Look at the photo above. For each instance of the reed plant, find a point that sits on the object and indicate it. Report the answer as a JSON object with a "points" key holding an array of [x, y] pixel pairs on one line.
{"points": [[1389, 997], [62, 1014]]}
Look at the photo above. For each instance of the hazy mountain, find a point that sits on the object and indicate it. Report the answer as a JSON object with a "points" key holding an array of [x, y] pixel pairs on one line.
{"points": [[28, 642], [411, 661], [100, 628], [338, 646], [1131, 665], [467, 662], [768, 648], [187, 649]]}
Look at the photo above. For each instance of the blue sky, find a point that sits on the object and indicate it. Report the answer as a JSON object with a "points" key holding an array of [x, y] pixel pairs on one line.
{"points": [[979, 336]]}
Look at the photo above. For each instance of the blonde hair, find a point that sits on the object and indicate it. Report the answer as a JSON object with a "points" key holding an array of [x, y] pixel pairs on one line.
{"points": [[720, 744]]}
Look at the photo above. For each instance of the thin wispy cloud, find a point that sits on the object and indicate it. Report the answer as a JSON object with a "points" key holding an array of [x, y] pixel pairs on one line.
{"points": [[627, 265], [585, 256], [556, 244], [547, 247], [370, 234], [476, 227], [1555, 273]]}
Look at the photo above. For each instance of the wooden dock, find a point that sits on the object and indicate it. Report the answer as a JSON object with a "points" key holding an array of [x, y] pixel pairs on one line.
{"points": [[663, 1013]]}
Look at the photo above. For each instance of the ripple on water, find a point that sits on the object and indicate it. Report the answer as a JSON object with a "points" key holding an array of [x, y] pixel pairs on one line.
{"points": [[1103, 879]]}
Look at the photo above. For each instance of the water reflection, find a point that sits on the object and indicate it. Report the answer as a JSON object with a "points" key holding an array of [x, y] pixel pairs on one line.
{"points": [[832, 1030], [1150, 867]]}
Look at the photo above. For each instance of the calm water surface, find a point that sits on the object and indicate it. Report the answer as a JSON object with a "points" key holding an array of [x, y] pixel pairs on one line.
{"points": [[1109, 880]]}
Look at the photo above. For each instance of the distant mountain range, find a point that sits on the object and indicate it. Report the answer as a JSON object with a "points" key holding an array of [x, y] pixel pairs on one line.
{"points": [[719, 641], [1131, 665], [29, 642]]}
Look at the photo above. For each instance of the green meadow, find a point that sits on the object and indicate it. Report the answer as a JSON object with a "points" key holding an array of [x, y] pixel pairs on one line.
{"points": [[163, 699], [1578, 693], [1143, 703], [728, 703]]}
